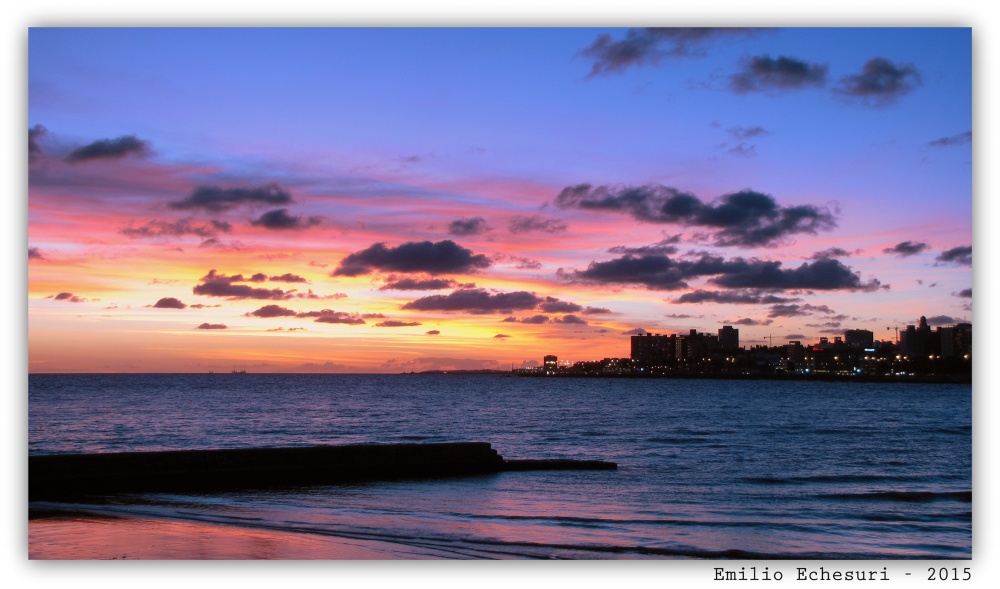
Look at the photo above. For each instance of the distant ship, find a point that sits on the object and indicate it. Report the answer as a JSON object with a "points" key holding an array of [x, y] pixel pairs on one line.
{"points": [[243, 371]]}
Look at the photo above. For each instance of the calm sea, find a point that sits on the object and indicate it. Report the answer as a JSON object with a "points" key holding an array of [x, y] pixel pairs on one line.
{"points": [[707, 469]]}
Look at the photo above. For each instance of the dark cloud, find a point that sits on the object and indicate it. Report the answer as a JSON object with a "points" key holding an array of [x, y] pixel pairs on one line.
{"points": [[832, 331], [287, 277], [215, 242], [433, 332], [270, 311], [596, 310], [534, 320], [328, 316], [795, 336], [961, 255], [212, 326], [652, 271], [477, 301], [279, 219], [942, 320], [424, 256], [752, 322], [747, 132], [525, 224], [470, 226], [826, 274], [833, 252], [960, 139], [179, 228], [394, 323], [665, 246], [679, 316], [798, 310], [570, 320], [880, 82], [34, 134], [501, 336], [763, 73], [419, 284], [216, 200], [258, 277], [215, 275], [220, 285], [169, 303], [663, 273], [311, 295], [965, 294], [35, 254], [68, 296], [739, 297], [554, 305], [372, 316], [655, 271], [828, 324], [527, 264], [636, 331], [519, 262], [906, 249], [744, 219], [643, 46], [105, 149], [743, 150]]}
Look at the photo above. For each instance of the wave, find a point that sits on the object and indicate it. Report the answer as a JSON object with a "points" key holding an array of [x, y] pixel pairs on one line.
{"points": [[965, 516], [770, 481], [677, 440], [959, 431], [847, 479], [905, 496]]}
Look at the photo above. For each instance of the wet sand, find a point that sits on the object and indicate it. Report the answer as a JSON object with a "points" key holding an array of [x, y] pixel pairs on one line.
{"points": [[88, 537]]}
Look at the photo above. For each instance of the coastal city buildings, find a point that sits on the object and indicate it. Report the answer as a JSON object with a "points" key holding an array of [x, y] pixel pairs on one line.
{"points": [[919, 351]]}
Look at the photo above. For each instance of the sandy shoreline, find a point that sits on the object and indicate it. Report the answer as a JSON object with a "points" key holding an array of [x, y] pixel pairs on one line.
{"points": [[91, 537]]}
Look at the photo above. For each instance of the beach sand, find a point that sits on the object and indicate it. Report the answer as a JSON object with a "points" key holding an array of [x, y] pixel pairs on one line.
{"points": [[88, 537]]}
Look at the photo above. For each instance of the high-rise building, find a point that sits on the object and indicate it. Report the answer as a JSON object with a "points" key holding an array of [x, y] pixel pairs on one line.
{"points": [[859, 338], [653, 349], [729, 338], [955, 341], [795, 353], [917, 341]]}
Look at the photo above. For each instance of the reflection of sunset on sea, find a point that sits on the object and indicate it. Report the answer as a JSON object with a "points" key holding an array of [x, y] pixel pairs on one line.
{"points": [[395, 200]]}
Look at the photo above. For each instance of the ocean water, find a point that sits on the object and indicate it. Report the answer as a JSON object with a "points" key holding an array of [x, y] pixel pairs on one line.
{"points": [[707, 468]]}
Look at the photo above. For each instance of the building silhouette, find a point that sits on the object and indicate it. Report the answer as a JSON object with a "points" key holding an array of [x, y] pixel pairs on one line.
{"points": [[859, 338], [919, 351], [729, 338]]}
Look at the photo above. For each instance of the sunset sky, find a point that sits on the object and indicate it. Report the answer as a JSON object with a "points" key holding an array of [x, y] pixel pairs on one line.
{"points": [[397, 199]]}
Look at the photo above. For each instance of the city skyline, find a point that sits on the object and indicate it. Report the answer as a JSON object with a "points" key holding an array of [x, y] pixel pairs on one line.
{"points": [[387, 200]]}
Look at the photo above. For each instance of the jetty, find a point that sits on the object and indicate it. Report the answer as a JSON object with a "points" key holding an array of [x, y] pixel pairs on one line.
{"points": [[78, 476]]}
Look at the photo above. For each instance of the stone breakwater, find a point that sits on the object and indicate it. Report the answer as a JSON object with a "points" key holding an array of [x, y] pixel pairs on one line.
{"points": [[74, 476]]}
